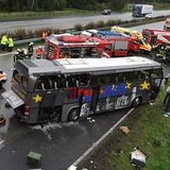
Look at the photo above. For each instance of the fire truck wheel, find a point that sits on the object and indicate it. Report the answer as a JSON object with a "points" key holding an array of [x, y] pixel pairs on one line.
{"points": [[137, 102], [73, 114]]}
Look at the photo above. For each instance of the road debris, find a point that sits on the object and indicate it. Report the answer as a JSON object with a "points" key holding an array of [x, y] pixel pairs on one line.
{"points": [[124, 129]]}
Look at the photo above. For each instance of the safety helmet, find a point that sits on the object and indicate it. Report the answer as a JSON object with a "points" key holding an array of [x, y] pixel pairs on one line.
{"points": [[39, 46], [18, 50], [31, 43]]}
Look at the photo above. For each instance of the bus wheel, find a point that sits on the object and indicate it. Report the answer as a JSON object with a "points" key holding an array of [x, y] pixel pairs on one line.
{"points": [[73, 114], [137, 102]]}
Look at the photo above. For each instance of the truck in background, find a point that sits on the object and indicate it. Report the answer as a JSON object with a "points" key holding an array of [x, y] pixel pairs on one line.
{"points": [[141, 10]]}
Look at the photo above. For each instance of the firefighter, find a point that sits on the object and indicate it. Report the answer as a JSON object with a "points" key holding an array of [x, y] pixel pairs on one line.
{"points": [[10, 44], [4, 42], [30, 49], [44, 35], [18, 55], [166, 102], [39, 52]]}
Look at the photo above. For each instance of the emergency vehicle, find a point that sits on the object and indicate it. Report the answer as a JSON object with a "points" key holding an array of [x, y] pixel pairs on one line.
{"points": [[98, 45], [117, 46], [156, 37], [144, 46], [167, 24], [70, 46], [3, 78], [128, 42]]}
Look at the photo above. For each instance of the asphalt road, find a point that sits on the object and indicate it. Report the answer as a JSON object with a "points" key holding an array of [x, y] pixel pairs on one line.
{"points": [[59, 144], [67, 23]]}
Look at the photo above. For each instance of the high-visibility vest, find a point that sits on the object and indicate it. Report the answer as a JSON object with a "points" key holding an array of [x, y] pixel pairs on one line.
{"points": [[4, 40], [11, 42]]}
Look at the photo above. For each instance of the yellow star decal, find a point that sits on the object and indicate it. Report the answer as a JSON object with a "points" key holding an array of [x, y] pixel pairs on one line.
{"points": [[145, 85], [128, 85], [37, 98]]}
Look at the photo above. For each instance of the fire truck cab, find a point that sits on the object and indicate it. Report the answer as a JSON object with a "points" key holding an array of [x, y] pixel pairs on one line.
{"points": [[156, 37]]}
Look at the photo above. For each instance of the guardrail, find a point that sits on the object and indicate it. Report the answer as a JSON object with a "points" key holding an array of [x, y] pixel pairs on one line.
{"points": [[26, 41]]}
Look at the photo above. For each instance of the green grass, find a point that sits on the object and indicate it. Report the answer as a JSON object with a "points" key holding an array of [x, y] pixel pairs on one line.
{"points": [[4, 16], [149, 129]]}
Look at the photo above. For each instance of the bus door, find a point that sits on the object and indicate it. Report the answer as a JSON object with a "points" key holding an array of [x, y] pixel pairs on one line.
{"points": [[94, 99]]}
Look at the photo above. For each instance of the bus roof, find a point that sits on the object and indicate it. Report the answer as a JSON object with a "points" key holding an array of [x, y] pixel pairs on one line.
{"points": [[78, 65]]}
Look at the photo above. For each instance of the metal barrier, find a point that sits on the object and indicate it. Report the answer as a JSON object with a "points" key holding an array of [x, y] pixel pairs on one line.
{"points": [[25, 41]]}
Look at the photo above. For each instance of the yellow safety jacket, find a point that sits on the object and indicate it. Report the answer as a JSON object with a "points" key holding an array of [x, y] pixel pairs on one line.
{"points": [[11, 42], [4, 40]]}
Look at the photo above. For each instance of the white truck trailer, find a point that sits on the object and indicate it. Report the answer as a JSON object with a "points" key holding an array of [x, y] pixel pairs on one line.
{"points": [[141, 10]]}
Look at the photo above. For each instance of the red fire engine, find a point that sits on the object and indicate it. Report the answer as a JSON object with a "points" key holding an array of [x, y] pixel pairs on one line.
{"points": [[117, 46], [75, 46], [70, 46], [156, 37]]}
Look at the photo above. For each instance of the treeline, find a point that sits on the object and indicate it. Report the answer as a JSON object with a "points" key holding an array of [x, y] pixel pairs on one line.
{"points": [[51, 5]]}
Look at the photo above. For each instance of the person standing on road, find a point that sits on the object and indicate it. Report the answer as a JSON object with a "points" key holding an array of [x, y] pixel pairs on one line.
{"points": [[30, 49], [166, 102], [39, 52], [4, 42], [10, 44]]}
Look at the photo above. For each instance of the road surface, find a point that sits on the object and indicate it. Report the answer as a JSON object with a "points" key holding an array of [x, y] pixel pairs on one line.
{"points": [[67, 23]]}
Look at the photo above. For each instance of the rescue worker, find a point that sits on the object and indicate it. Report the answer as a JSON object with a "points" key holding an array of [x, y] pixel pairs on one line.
{"points": [[18, 55], [39, 52], [166, 102], [44, 35], [10, 44], [30, 49], [4, 42]]}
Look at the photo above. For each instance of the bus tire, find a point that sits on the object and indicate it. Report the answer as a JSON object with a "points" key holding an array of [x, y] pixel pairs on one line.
{"points": [[137, 102], [73, 114]]}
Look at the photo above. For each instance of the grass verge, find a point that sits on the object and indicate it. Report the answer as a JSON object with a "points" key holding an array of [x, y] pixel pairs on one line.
{"points": [[28, 15], [149, 129]]}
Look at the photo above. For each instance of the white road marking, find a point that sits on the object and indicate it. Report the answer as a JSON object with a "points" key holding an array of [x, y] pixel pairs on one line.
{"points": [[96, 144]]}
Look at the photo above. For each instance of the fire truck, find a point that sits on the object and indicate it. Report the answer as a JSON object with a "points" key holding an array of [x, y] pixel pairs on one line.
{"points": [[113, 43], [80, 46], [70, 46], [160, 41], [145, 47], [117, 46], [156, 37]]}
